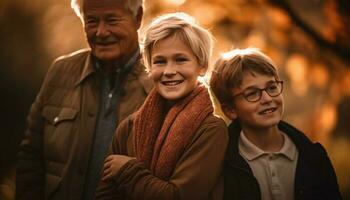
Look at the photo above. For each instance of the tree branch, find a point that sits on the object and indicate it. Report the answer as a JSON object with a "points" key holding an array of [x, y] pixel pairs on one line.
{"points": [[342, 51]]}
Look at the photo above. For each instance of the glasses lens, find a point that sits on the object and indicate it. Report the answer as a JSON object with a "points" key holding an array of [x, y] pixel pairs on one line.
{"points": [[252, 95], [274, 89]]}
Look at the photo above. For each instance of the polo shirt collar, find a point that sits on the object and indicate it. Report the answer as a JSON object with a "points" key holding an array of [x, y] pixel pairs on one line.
{"points": [[288, 149], [250, 151]]}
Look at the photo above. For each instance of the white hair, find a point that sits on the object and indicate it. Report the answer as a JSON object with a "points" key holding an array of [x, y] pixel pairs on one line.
{"points": [[132, 5]]}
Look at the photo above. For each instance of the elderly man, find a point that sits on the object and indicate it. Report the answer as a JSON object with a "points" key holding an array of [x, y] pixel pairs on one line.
{"points": [[83, 98]]}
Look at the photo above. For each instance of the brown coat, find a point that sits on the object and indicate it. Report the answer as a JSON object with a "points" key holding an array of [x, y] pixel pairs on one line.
{"points": [[196, 175], [54, 155]]}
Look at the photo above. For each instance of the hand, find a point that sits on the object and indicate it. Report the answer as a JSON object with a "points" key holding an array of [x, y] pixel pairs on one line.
{"points": [[112, 165]]}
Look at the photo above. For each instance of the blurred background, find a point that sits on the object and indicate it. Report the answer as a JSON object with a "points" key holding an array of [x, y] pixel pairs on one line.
{"points": [[308, 40]]}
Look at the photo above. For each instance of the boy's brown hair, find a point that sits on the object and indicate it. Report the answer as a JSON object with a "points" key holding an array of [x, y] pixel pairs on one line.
{"points": [[231, 67]]}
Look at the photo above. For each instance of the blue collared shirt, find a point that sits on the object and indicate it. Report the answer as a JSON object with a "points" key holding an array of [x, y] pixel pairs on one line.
{"points": [[106, 124]]}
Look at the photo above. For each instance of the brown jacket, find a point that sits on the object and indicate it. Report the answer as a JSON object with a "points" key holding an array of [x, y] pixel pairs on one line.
{"points": [[54, 155], [196, 175]]}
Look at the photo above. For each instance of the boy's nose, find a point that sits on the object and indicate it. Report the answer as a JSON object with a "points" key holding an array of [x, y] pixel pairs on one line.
{"points": [[265, 97], [169, 70]]}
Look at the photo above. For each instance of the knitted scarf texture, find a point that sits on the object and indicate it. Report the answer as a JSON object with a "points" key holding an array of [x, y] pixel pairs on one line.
{"points": [[161, 138]]}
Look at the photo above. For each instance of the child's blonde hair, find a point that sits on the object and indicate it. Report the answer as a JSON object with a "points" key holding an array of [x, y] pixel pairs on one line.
{"points": [[181, 25]]}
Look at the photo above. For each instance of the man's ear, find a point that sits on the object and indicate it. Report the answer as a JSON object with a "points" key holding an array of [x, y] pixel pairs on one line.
{"points": [[138, 17], [229, 111]]}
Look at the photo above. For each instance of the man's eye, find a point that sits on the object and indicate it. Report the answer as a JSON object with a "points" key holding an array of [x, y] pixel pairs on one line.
{"points": [[113, 21], [90, 22]]}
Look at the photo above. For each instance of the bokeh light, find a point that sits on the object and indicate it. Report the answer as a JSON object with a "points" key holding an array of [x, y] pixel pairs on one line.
{"points": [[309, 43]]}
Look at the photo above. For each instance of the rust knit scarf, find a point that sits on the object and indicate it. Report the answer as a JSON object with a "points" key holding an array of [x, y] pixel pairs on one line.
{"points": [[161, 140]]}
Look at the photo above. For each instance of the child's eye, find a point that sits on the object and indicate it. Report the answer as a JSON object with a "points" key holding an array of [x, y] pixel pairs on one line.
{"points": [[181, 59], [251, 94], [158, 62], [273, 88]]}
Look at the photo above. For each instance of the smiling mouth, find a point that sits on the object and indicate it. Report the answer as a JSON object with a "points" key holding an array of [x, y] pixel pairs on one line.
{"points": [[171, 83], [267, 111], [105, 43]]}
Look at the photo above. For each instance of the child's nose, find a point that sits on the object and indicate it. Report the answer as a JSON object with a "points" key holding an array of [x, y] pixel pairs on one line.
{"points": [[265, 97], [169, 70]]}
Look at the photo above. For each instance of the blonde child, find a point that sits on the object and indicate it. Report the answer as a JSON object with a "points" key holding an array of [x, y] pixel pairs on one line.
{"points": [[173, 147]]}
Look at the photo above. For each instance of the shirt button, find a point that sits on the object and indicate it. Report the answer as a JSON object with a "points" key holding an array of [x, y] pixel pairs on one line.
{"points": [[110, 95], [272, 157], [56, 119]]}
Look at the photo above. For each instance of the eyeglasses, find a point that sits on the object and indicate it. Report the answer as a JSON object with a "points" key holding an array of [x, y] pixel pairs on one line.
{"points": [[254, 94]]}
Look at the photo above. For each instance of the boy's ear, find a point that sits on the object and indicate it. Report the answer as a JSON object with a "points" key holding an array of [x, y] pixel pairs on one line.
{"points": [[229, 112], [203, 71]]}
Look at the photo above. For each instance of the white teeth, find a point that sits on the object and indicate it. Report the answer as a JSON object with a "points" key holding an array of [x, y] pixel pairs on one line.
{"points": [[171, 83], [268, 111]]}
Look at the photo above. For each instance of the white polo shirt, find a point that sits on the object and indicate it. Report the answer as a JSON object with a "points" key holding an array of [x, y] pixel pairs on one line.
{"points": [[274, 171]]}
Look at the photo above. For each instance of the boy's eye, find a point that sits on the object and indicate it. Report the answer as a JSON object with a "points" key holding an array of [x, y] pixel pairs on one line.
{"points": [[273, 88], [252, 93], [181, 59], [159, 62]]}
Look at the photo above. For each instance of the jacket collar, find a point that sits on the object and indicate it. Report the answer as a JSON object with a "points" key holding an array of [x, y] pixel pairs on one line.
{"points": [[235, 159], [90, 68], [125, 68], [87, 69], [298, 138]]}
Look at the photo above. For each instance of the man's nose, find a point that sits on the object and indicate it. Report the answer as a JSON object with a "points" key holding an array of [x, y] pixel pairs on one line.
{"points": [[102, 30]]}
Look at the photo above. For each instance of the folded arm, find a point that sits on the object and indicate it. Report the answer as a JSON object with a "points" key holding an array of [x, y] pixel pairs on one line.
{"points": [[194, 177]]}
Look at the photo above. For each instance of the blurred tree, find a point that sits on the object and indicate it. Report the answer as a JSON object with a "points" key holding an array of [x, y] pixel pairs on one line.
{"points": [[308, 40], [335, 35], [20, 60]]}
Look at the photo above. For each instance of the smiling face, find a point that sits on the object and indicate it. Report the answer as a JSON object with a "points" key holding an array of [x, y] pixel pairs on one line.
{"points": [[263, 114], [174, 68], [111, 29]]}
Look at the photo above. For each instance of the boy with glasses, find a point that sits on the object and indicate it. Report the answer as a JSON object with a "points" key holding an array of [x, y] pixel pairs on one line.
{"points": [[267, 158]]}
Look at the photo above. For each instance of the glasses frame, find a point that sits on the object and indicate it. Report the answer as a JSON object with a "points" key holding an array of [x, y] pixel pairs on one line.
{"points": [[260, 92]]}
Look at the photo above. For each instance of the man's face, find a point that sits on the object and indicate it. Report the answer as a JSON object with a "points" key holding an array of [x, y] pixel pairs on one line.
{"points": [[111, 29]]}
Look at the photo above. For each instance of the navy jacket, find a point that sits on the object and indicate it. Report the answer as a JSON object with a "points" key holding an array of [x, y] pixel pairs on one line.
{"points": [[315, 178]]}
